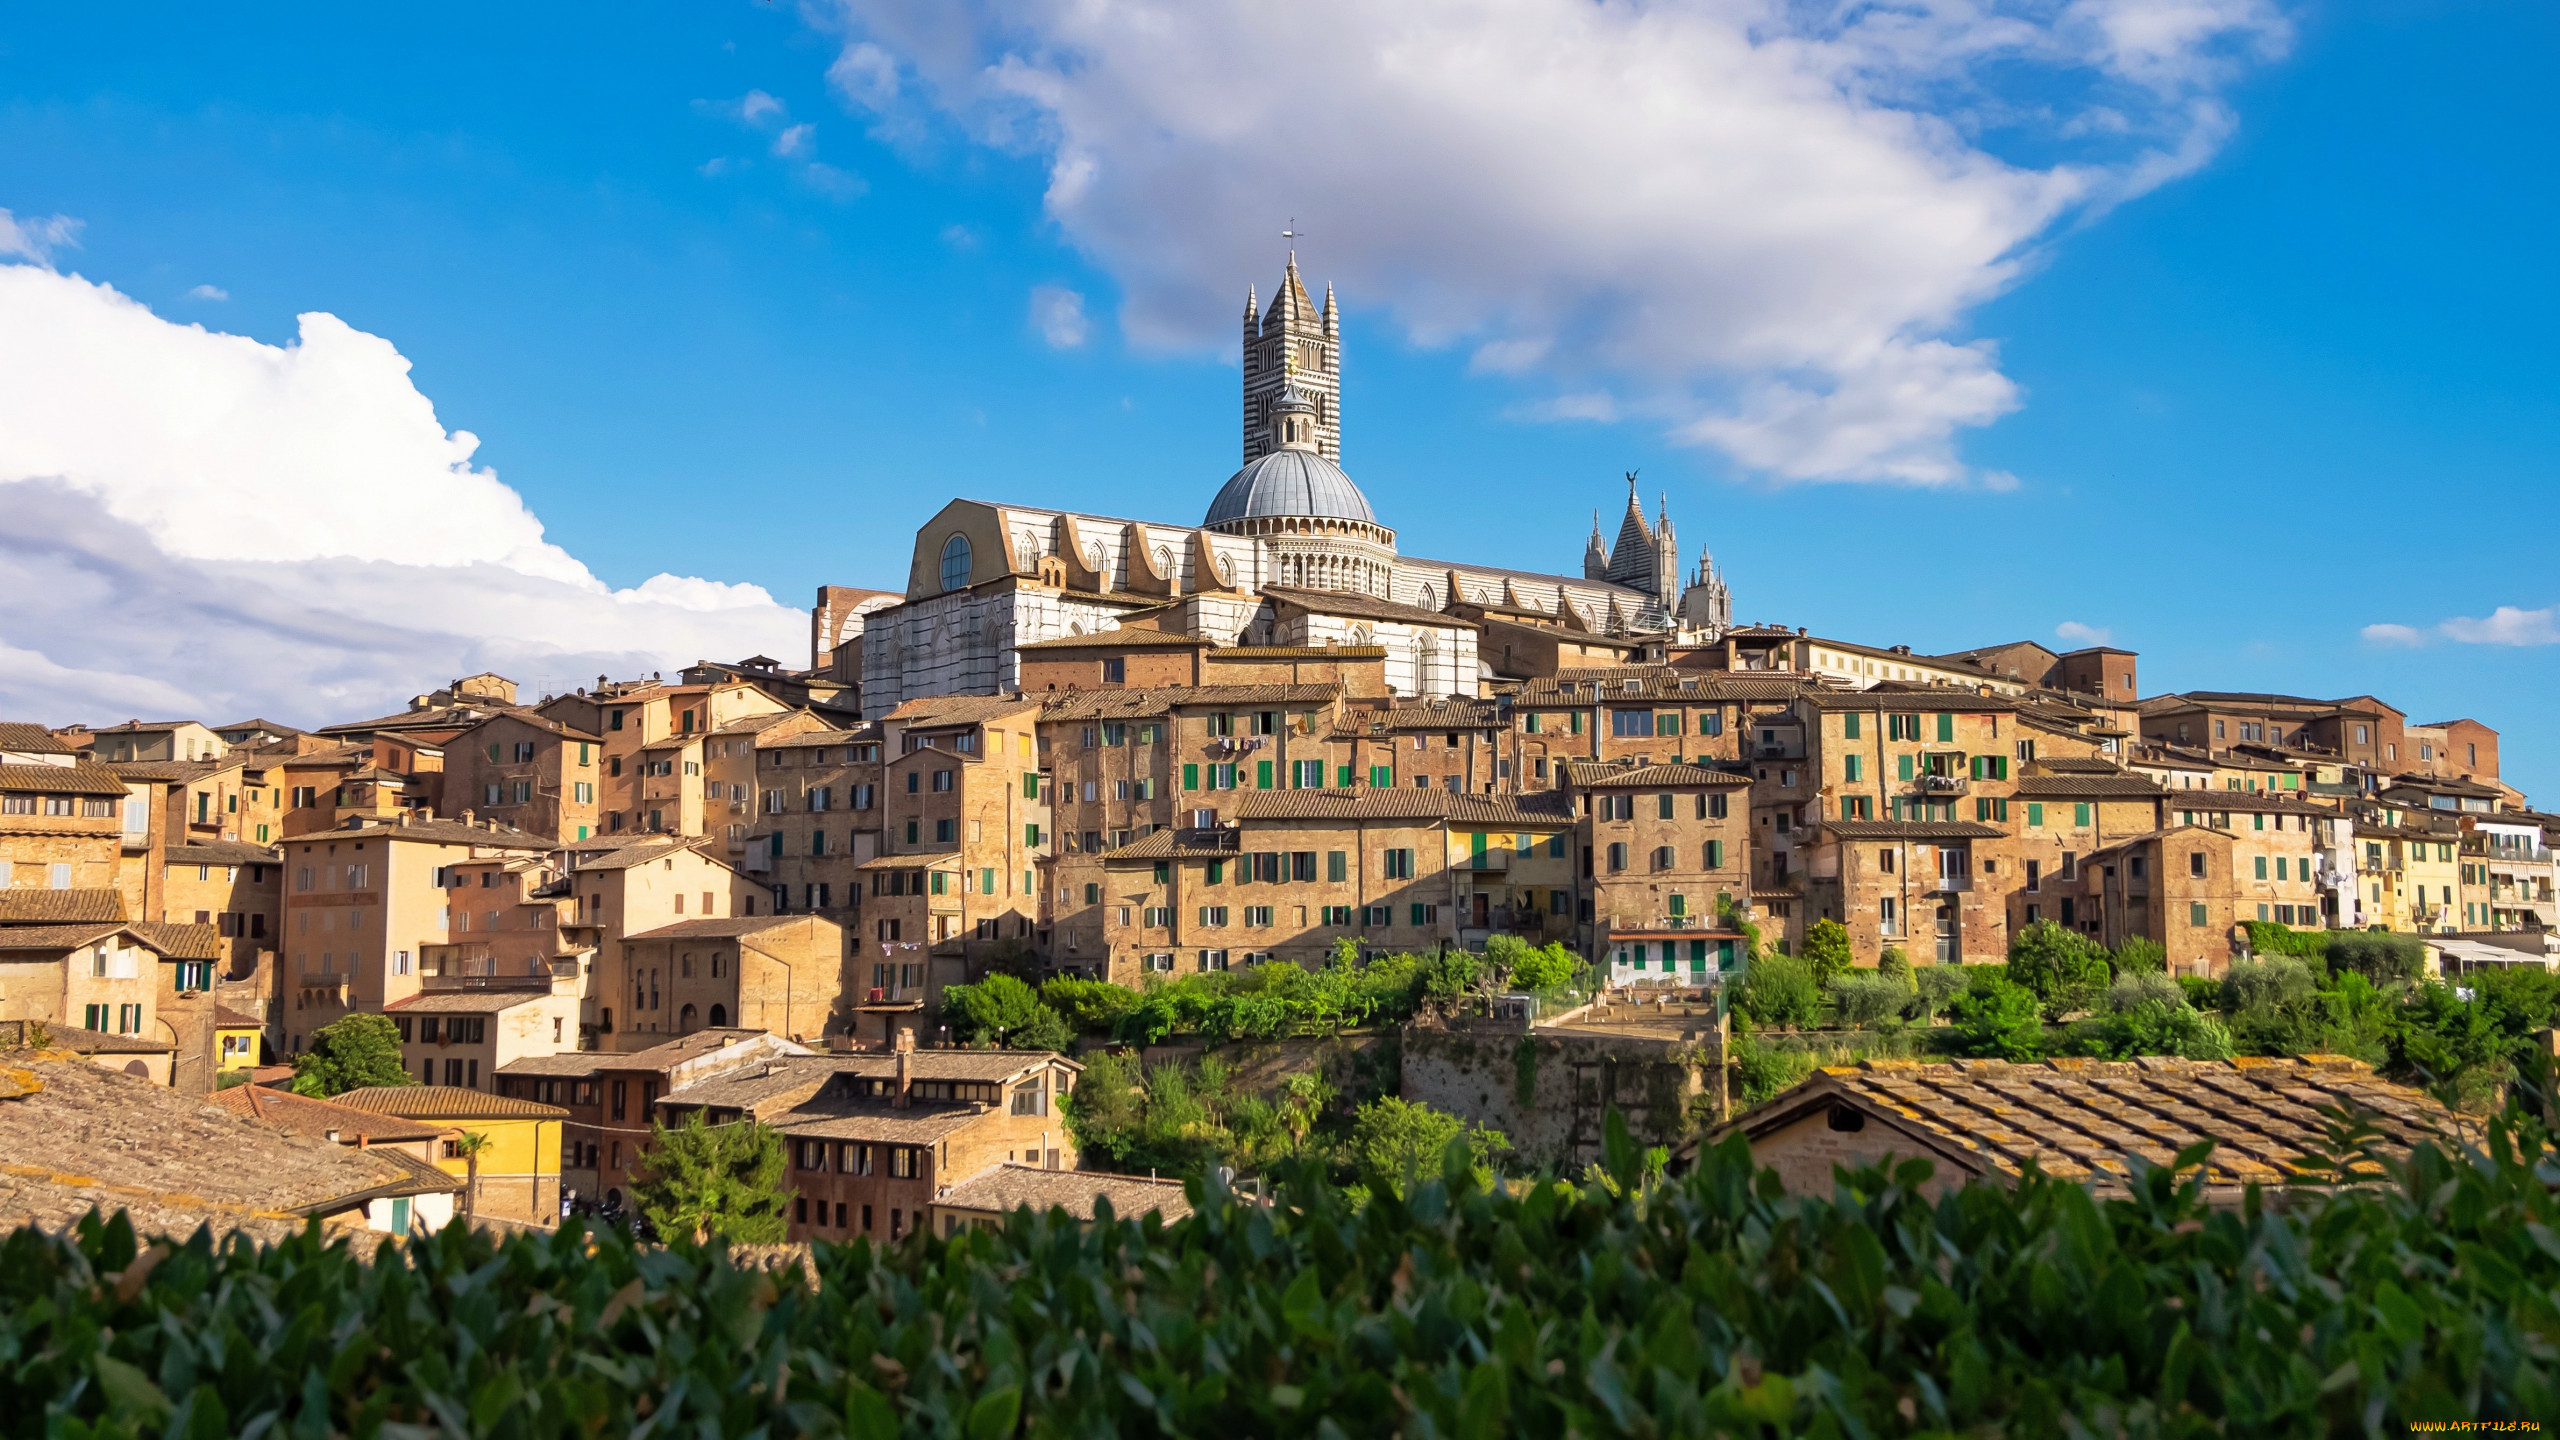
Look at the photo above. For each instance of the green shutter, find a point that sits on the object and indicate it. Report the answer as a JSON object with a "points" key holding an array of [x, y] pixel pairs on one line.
{"points": [[2262, 867], [1217, 872], [2035, 815], [2195, 915], [1342, 776], [987, 881], [1335, 866], [2080, 813], [1852, 769], [1946, 727], [1262, 774], [1849, 725], [1529, 725], [1031, 836], [1902, 766], [1577, 722], [1715, 854], [1679, 904], [1190, 777]]}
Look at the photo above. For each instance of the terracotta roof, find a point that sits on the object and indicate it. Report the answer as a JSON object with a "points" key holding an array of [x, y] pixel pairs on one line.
{"points": [[877, 1122], [303, 1115], [179, 942], [1163, 699], [81, 1042], [642, 853], [446, 1102], [1173, 843], [734, 927], [1911, 829], [31, 739], [1930, 698], [535, 720], [441, 832], [2135, 786], [81, 779], [1366, 607], [2077, 765], [942, 710], [226, 1018], [678, 741], [1249, 654], [807, 738], [1657, 682], [797, 1078], [2084, 1119], [1127, 637], [1003, 1189], [1390, 804], [2245, 800], [576, 1064], [1622, 775], [55, 937], [91, 1138], [668, 1053], [33, 905], [318, 759], [466, 1002], [164, 771], [223, 852], [1455, 713]]}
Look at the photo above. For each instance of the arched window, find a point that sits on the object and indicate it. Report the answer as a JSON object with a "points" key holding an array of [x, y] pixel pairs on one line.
{"points": [[684, 1018], [719, 1017], [1430, 598], [955, 562]]}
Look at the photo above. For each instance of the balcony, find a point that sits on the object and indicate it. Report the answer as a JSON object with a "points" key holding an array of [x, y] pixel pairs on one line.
{"points": [[1488, 860], [1943, 785], [1951, 885]]}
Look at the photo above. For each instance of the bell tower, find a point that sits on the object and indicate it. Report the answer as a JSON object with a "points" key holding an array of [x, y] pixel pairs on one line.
{"points": [[1292, 344]]}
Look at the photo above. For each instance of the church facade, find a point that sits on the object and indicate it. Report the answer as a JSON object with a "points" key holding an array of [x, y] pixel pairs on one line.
{"points": [[1288, 553]]}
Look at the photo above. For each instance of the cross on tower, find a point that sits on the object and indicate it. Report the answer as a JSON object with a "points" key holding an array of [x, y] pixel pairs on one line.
{"points": [[1293, 235]]}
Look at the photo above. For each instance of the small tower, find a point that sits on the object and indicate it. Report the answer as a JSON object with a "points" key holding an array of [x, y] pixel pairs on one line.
{"points": [[1707, 604], [1666, 563], [1634, 560], [1595, 556]]}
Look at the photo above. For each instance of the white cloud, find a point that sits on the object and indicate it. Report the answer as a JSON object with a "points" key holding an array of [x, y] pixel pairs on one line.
{"points": [[831, 182], [37, 239], [200, 523], [715, 167], [1058, 314], [208, 292], [2506, 625], [793, 139], [2079, 634], [959, 237], [1761, 222], [757, 107]]}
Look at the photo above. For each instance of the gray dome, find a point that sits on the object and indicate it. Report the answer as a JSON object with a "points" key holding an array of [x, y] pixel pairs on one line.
{"points": [[1290, 483]]}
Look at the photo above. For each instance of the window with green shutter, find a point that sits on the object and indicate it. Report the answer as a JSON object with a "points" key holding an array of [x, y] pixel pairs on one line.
{"points": [[1336, 865], [1190, 777], [1418, 915], [1576, 717], [1854, 768], [1261, 774], [2035, 815], [2262, 867], [2258, 821], [1217, 872], [1946, 727], [1849, 725], [2195, 915], [987, 881], [1679, 904], [1902, 767], [1381, 777], [1342, 776], [1164, 872], [1662, 806], [1555, 846], [1031, 836], [2080, 813], [1030, 784], [1529, 725], [1715, 854]]}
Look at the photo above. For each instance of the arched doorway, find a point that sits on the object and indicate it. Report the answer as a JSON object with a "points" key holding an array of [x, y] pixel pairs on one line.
{"points": [[719, 1017], [684, 1020]]}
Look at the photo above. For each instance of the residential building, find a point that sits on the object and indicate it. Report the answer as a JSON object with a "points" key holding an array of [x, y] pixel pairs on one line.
{"points": [[965, 824], [456, 1037], [872, 1139], [105, 978], [176, 740], [652, 735], [420, 1203], [815, 814], [782, 973], [362, 904], [529, 773], [61, 815], [642, 883], [2186, 889], [984, 1201], [517, 1170], [1666, 865], [2509, 868], [611, 1097]]}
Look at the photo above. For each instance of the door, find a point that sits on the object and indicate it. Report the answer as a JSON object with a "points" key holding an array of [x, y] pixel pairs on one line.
{"points": [[1483, 913], [1950, 942], [400, 1216]]}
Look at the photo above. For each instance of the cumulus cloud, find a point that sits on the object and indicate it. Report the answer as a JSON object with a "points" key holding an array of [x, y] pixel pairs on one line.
{"points": [[793, 139], [1058, 314], [2078, 634], [1759, 223], [208, 292], [200, 523], [36, 239], [2506, 625]]}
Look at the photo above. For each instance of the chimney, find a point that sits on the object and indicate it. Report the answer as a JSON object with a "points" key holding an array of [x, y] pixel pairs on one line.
{"points": [[906, 1048], [468, 815]]}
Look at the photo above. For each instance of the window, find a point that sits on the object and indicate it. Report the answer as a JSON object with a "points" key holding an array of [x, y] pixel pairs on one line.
{"points": [[1336, 866], [1115, 672], [1715, 854], [955, 562], [2195, 864], [1159, 917], [2080, 814], [1398, 863], [1617, 855], [1627, 723], [1377, 916], [1257, 916], [1338, 916], [1853, 769], [2196, 915], [1213, 917]]}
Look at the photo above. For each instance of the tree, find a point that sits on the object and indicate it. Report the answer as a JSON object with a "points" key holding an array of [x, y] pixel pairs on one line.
{"points": [[1398, 1144], [1893, 962], [703, 1180], [469, 1148], [1001, 1010], [1544, 968], [1826, 950], [2378, 956], [350, 1054], [1778, 990]]}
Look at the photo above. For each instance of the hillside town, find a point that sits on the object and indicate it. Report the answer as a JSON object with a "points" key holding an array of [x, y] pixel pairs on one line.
{"points": [[1132, 752]]}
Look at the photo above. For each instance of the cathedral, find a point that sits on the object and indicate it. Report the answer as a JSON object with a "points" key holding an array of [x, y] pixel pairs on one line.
{"points": [[1288, 553]]}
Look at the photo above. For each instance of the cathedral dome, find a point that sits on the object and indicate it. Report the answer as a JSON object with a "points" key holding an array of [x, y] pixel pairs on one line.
{"points": [[1291, 483]]}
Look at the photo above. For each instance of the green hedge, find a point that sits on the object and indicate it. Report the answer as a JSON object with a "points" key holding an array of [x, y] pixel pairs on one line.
{"points": [[1705, 1306]]}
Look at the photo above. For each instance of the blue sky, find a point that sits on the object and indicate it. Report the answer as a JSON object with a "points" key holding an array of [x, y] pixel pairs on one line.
{"points": [[2290, 382]]}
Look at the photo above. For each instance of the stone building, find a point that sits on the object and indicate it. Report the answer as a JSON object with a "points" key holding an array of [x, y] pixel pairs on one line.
{"points": [[1666, 865], [528, 772], [778, 973]]}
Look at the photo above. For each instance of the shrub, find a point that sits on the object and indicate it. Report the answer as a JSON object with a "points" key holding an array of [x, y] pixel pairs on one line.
{"points": [[2139, 954], [1091, 1007], [1868, 999], [2052, 961], [1399, 1143], [1758, 1070], [2379, 957], [1001, 1010], [1548, 968], [351, 1054], [2269, 938], [2143, 987], [1707, 1304], [1995, 1019], [1893, 962], [1778, 990]]}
